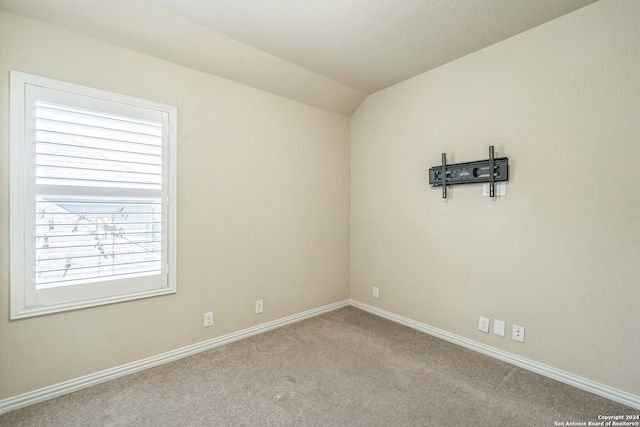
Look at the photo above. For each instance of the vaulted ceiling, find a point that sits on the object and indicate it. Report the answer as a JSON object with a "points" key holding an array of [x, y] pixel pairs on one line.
{"points": [[328, 53]]}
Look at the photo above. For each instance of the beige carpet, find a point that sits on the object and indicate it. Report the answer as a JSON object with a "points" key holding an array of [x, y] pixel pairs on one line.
{"points": [[344, 368]]}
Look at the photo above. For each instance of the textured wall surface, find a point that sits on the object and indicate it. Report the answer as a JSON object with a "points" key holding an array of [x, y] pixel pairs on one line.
{"points": [[262, 211], [559, 254]]}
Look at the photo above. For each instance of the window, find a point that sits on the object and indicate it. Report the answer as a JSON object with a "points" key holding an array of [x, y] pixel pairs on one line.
{"points": [[92, 197]]}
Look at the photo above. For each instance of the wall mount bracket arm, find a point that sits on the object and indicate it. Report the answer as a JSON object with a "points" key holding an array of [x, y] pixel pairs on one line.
{"points": [[470, 173]]}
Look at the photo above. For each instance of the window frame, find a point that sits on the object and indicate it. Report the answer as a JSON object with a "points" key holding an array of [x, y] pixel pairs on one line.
{"points": [[26, 299]]}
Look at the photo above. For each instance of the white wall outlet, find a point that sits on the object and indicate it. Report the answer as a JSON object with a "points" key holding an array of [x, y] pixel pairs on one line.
{"points": [[376, 292], [259, 306], [208, 319], [483, 324], [518, 333], [498, 327], [499, 189]]}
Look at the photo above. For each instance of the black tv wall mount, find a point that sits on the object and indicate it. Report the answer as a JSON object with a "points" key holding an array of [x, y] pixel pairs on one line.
{"points": [[470, 173]]}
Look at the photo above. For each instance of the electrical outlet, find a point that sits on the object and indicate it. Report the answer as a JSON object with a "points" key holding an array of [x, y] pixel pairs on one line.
{"points": [[498, 327], [376, 292], [518, 333], [208, 319], [259, 306], [483, 324], [499, 189]]}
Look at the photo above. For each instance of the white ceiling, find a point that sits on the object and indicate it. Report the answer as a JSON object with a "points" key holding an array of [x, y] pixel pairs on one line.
{"points": [[327, 53]]}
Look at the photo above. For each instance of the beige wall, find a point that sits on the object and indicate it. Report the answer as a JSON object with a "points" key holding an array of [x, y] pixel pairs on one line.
{"points": [[263, 202], [560, 254], [263, 211]]}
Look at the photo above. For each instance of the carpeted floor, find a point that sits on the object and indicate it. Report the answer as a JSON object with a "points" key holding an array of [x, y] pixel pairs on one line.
{"points": [[344, 368]]}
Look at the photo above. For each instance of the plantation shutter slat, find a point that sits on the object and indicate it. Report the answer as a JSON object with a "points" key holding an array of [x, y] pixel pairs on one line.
{"points": [[110, 161]]}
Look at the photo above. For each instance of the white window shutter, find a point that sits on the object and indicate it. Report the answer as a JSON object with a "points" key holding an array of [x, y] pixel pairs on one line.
{"points": [[98, 172]]}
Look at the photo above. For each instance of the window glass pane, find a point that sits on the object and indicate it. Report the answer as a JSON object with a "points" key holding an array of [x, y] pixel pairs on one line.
{"points": [[83, 239]]}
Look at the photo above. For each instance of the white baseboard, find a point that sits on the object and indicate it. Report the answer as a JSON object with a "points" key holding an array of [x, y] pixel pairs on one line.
{"points": [[60, 389], [530, 365], [66, 387]]}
